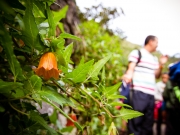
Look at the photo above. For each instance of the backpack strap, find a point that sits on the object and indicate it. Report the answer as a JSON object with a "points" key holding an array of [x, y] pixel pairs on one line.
{"points": [[140, 56], [131, 91]]}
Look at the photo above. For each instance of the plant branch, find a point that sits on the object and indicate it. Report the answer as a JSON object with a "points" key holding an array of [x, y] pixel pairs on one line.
{"points": [[17, 109], [69, 94], [77, 100], [100, 104]]}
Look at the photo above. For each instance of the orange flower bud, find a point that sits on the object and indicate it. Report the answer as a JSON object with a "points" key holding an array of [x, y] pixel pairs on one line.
{"points": [[48, 66]]}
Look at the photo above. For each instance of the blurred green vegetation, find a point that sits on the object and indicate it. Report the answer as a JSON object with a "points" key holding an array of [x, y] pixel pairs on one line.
{"points": [[96, 44], [98, 39], [27, 34]]}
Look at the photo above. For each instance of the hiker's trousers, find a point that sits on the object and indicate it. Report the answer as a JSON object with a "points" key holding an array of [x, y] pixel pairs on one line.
{"points": [[144, 103]]}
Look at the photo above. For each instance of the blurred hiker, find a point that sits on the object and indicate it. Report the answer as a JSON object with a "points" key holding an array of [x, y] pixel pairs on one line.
{"points": [[159, 109], [172, 98], [142, 75]]}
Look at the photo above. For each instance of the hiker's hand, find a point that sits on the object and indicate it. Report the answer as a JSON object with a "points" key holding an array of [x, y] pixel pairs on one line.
{"points": [[127, 78], [163, 59]]}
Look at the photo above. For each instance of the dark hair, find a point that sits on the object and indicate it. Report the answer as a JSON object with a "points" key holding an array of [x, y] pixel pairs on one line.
{"points": [[148, 38], [165, 73]]}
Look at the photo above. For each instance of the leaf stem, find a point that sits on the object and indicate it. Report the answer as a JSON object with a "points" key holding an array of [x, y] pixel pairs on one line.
{"points": [[17, 109]]}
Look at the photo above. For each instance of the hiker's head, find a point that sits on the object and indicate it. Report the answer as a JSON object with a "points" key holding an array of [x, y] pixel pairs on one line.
{"points": [[151, 42], [165, 77]]}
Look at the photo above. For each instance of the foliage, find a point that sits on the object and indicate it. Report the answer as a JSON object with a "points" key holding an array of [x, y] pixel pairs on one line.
{"points": [[97, 43], [27, 31]]}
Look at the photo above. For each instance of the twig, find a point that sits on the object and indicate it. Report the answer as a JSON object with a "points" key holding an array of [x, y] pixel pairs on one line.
{"points": [[100, 104], [77, 100], [17, 109]]}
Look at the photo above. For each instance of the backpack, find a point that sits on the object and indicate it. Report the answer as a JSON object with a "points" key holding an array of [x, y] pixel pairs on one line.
{"points": [[171, 94], [125, 88]]}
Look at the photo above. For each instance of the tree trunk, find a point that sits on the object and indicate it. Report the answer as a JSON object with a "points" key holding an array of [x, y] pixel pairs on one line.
{"points": [[71, 20]]}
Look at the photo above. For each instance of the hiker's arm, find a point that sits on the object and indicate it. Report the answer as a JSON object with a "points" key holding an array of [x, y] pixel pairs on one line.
{"points": [[158, 71], [162, 61], [129, 73]]}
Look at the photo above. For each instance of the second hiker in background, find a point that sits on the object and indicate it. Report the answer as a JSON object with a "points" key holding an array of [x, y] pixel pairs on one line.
{"points": [[159, 109]]}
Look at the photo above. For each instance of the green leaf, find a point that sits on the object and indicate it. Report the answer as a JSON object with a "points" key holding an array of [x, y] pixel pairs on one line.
{"points": [[128, 114], [80, 73], [109, 91], [11, 89], [81, 61], [52, 25], [53, 118], [61, 43], [6, 87], [34, 127], [36, 11], [58, 44], [19, 92], [40, 6], [37, 98], [34, 116], [31, 33], [6, 42], [67, 129], [120, 104], [34, 83], [58, 15], [112, 129], [62, 55], [61, 26], [61, 111], [116, 97], [103, 75], [96, 94], [67, 53], [2, 109], [39, 20], [54, 96], [98, 66], [67, 35], [61, 60]]}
